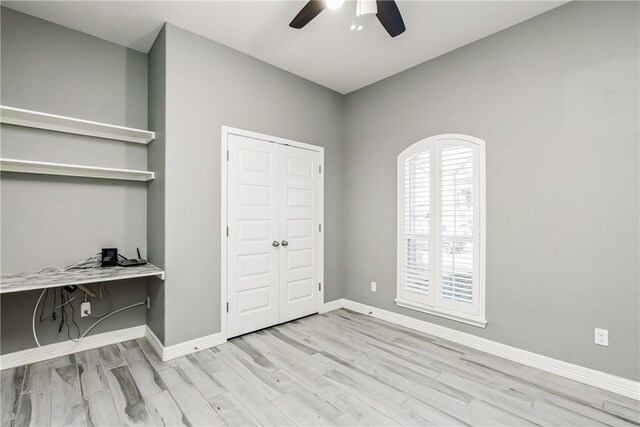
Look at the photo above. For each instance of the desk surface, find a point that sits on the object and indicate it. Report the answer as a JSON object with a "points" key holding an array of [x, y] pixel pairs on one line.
{"points": [[30, 281]]}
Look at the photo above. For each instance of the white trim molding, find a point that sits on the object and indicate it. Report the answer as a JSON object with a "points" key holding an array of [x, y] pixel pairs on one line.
{"points": [[333, 305], [183, 348], [50, 351], [592, 377]]}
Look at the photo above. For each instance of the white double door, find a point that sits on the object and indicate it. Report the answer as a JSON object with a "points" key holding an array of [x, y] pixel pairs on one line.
{"points": [[273, 243]]}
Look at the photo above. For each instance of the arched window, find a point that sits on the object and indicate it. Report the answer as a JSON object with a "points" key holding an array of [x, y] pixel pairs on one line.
{"points": [[441, 217]]}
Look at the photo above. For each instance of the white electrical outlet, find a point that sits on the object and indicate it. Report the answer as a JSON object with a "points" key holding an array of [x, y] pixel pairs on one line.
{"points": [[85, 309], [373, 286], [602, 337]]}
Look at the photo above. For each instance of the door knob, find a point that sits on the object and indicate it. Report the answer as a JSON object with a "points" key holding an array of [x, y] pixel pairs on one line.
{"points": [[275, 243], [285, 243]]}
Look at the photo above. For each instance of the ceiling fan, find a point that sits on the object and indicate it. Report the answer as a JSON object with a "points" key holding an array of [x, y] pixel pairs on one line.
{"points": [[386, 11]]}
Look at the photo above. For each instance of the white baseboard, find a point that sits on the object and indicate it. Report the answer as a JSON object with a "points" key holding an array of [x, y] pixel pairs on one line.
{"points": [[592, 377], [50, 351], [333, 305], [184, 348]]}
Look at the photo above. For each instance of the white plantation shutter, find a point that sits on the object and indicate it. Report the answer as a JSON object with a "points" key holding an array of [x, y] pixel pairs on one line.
{"points": [[440, 218], [417, 206], [457, 222]]}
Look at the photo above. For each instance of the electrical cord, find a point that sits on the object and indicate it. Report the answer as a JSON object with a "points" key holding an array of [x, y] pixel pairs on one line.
{"points": [[35, 310]]}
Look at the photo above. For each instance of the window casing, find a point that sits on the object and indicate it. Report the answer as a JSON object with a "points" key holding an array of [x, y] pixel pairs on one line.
{"points": [[441, 228]]}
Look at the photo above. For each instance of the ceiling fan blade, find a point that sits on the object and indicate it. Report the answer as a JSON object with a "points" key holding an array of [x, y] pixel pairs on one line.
{"points": [[390, 18], [308, 12]]}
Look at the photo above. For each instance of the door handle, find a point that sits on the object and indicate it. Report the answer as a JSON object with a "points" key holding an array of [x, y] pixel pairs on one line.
{"points": [[285, 243], [275, 243]]}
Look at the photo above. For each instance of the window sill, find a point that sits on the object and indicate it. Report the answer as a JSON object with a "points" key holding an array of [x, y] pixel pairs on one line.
{"points": [[459, 317]]}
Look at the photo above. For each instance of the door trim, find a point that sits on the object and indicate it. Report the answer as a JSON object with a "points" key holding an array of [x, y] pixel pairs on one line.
{"points": [[226, 131]]}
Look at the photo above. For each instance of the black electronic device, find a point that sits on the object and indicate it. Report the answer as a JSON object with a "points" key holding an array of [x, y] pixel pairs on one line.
{"points": [[109, 257], [132, 262]]}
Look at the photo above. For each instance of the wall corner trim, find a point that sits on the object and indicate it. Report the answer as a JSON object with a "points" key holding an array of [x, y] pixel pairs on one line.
{"points": [[50, 351], [183, 348], [592, 377]]}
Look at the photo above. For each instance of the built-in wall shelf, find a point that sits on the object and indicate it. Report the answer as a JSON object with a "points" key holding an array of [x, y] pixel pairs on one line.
{"points": [[35, 119], [46, 168], [31, 281]]}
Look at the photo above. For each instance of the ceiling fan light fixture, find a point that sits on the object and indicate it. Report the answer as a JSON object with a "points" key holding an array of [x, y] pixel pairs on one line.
{"points": [[334, 4]]}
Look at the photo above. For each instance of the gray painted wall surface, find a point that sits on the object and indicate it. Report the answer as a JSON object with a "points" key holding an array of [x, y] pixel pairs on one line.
{"points": [[209, 85], [556, 99], [61, 220], [156, 188]]}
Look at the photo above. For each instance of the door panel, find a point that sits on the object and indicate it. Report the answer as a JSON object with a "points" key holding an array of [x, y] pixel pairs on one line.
{"points": [[299, 220], [253, 212]]}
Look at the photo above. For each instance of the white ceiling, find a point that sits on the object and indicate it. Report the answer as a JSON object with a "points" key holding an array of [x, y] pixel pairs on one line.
{"points": [[325, 51]]}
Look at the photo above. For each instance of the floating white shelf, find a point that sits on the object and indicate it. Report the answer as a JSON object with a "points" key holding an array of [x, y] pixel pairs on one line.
{"points": [[45, 168], [35, 119], [30, 281]]}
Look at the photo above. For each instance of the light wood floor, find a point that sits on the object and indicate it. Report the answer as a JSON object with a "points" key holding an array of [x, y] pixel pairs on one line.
{"points": [[340, 368]]}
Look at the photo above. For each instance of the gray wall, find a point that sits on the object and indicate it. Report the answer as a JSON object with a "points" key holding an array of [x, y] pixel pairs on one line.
{"points": [[59, 220], [156, 188], [556, 99], [209, 85]]}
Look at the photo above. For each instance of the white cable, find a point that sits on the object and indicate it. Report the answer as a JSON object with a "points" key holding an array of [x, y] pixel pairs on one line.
{"points": [[68, 301], [109, 315], [33, 323]]}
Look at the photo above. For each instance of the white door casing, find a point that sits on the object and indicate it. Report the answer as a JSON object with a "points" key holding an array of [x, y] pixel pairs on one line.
{"points": [[272, 201]]}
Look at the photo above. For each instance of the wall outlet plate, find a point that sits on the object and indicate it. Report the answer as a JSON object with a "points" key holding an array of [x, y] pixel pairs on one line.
{"points": [[85, 309], [602, 337], [374, 286]]}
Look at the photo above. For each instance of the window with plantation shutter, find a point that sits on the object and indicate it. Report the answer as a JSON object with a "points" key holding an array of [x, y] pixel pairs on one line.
{"points": [[441, 228]]}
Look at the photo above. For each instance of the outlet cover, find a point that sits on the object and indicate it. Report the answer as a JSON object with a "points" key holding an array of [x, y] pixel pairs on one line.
{"points": [[374, 285], [602, 337], [85, 309]]}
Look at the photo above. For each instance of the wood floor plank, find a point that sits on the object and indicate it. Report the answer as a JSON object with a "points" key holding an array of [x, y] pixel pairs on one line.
{"points": [[66, 397], [35, 409], [232, 412], [165, 411], [622, 411], [194, 406], [99, 409], [200, 377], [251, 398], [110, 356], [91, 371], [364, 413], [146, 378], [11, 382], [301, 370], [263, 384], [300, 392], [401, 415], [128, 400]]}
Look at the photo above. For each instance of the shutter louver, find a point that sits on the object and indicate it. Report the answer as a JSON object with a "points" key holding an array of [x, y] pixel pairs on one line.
{"points": [[457, 223], [417, 205]]}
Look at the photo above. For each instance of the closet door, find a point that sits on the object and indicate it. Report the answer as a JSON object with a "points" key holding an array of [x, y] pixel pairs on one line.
{"points": [[253, 245], [299, 221]]}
